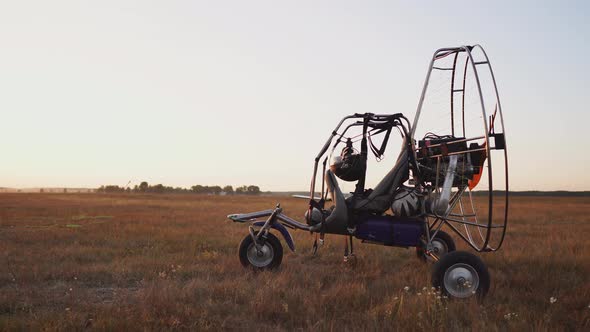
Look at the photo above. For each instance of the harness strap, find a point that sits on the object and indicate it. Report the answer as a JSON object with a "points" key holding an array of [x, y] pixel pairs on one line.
{"points": [[379, 152]]}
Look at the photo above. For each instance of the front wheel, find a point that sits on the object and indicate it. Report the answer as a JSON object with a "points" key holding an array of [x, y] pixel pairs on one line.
{"points": [[267, 256], [460, 274]]}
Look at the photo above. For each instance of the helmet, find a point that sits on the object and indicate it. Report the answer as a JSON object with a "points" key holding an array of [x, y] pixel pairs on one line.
{"points": [[347, 168], [349, 165], [406, 202]]}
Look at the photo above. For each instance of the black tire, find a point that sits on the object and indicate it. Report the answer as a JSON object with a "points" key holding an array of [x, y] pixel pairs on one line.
{"points": [[271, 255], [460, 274], [442, 238]]}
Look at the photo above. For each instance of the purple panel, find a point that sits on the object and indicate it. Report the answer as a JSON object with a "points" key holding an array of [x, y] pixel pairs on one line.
{"points": [[390, 230]]}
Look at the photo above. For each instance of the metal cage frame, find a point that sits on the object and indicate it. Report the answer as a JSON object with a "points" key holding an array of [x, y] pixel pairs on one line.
{"points": [[450, 219]]}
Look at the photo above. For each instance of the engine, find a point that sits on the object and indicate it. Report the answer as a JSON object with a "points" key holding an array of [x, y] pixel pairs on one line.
{"points": [[434, 156]]}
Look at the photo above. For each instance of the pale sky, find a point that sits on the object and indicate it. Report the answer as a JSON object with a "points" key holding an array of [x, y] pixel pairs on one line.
{"points": [[246, 92]]}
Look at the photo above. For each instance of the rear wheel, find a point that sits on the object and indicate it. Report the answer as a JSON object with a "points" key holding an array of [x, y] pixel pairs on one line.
{"points": [[442, 244], [268, 255], [460, 274]]}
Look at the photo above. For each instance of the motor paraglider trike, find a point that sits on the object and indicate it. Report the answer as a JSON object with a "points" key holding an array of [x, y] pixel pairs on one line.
{"points": [[443, 177]]}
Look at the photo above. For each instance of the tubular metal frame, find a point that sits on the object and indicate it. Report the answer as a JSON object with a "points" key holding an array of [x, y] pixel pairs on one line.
{"points": [[375, 119]]}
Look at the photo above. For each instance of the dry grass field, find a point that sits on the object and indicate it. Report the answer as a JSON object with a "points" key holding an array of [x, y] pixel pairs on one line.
{"points": [[158, 262]]}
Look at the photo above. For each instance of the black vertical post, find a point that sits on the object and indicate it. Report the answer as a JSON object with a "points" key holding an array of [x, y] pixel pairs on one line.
{"points": [[360, 186]]}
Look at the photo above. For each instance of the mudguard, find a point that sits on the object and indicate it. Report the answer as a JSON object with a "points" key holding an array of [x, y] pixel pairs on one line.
{"points": [[283, 230]]}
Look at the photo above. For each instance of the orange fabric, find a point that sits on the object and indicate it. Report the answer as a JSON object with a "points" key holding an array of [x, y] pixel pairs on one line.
{"points": [[476, 177]]}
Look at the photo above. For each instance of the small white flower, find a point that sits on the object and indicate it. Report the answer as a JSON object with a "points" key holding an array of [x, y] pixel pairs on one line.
{"points": [[552, 300], [424, 289], [407, 288], [419, 294], [395, 299], [433, 288], [510, 315]]}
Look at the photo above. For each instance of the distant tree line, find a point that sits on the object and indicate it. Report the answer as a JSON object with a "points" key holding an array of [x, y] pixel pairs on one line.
{"points": [[144, 187]]}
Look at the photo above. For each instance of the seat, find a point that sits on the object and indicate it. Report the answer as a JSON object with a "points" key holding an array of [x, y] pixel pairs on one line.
{"points": [[380, 199]]}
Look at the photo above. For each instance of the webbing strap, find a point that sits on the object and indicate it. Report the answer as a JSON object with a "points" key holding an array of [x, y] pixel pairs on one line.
{"points": [[379, 152]]}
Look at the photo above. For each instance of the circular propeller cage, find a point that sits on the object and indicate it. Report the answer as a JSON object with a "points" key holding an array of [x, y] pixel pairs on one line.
{"points": [[458, 133]]}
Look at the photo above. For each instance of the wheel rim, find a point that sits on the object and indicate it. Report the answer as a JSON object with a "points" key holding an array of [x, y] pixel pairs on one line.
{"points": [[439, 247], [262, 257], [461, 280]]}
